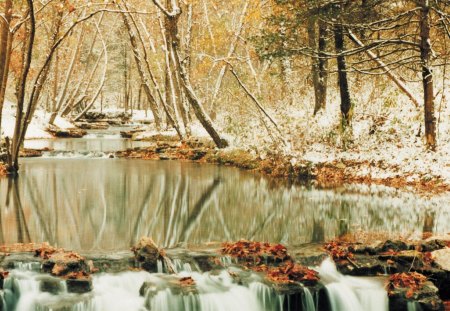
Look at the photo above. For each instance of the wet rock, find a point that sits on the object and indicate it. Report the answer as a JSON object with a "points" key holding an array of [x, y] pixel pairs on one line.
{"points": [[309, 255], [63, 263], [178, 286], [111, 263], [361, 265], [432, 245], [148, 254], [392, 246], [3, 276], [51, 285], [79, 285], [426, 298]]}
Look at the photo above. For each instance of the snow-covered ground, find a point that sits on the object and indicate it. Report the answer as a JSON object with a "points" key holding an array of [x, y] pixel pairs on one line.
{"points": [[387, 134], [36, 129]]}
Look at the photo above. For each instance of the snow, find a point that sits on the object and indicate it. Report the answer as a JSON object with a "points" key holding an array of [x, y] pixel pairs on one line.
{"points": [[36, 129], [384, 135]]}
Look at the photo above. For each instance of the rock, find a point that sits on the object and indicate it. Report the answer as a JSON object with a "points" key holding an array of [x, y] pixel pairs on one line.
{"points": [[432, 245], [361, 265], [63, 264], [392, 246], [148, 254], [442, 261], [51, 285], [442, 258], [66, 133], [92, 125], [426, 298], [111, 263], [110, 115], [3, 276], [79, 286]]}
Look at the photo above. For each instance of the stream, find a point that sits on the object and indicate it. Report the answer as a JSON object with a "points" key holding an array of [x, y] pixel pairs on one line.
{"points": [[81, 198]]}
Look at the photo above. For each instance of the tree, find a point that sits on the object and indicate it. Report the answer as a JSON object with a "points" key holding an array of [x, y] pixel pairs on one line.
{"points": [[171, 27]]}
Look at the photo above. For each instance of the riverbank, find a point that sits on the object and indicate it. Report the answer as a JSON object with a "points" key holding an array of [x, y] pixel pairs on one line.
{"points": [[326, 174]]}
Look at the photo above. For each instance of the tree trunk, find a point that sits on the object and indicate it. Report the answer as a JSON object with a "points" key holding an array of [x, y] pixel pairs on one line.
{"points": [[319, 75], [65, 87], [321, 93], [5, 51], [346, 104], [13, 164], [142, 74], [427, 75]]}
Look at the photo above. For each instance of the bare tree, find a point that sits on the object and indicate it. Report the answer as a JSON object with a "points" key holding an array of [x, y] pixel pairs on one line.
{"points": [[172, 29]]}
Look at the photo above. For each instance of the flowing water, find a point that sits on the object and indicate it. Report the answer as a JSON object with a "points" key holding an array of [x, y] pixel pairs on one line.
{"points": [[79, 198], [24, 291]]}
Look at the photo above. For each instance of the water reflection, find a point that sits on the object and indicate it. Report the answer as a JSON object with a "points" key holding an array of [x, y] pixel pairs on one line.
{"points": [[91, 204]]}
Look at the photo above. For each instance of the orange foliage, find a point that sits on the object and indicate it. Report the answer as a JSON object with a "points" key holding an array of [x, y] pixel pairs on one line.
{"points": [[338, 250], [2, 170], [244, 249], [411, 281], [291, 272]]}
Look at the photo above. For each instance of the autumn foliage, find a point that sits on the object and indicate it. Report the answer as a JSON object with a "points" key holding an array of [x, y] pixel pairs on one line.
{"points": [[2, 170], [338, 250], [292, 272], [271, 259], [412, 282], [255, 251]]}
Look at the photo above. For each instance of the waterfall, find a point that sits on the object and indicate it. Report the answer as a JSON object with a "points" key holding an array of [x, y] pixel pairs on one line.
{"points": [[212, 293], [348, 293], [28, 290]]}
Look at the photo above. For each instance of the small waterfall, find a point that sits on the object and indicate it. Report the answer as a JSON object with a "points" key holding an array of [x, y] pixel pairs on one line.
{"points": [[24, 292], [269, 300], [77, 154], [352, 293], [413, 306], [181, 266], [211, 293]]}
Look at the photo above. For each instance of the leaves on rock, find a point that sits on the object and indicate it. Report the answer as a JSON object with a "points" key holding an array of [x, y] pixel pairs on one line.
{"points": [[339, 250], [291, 272], [411, 282], [256, 251], [45, 251]]}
